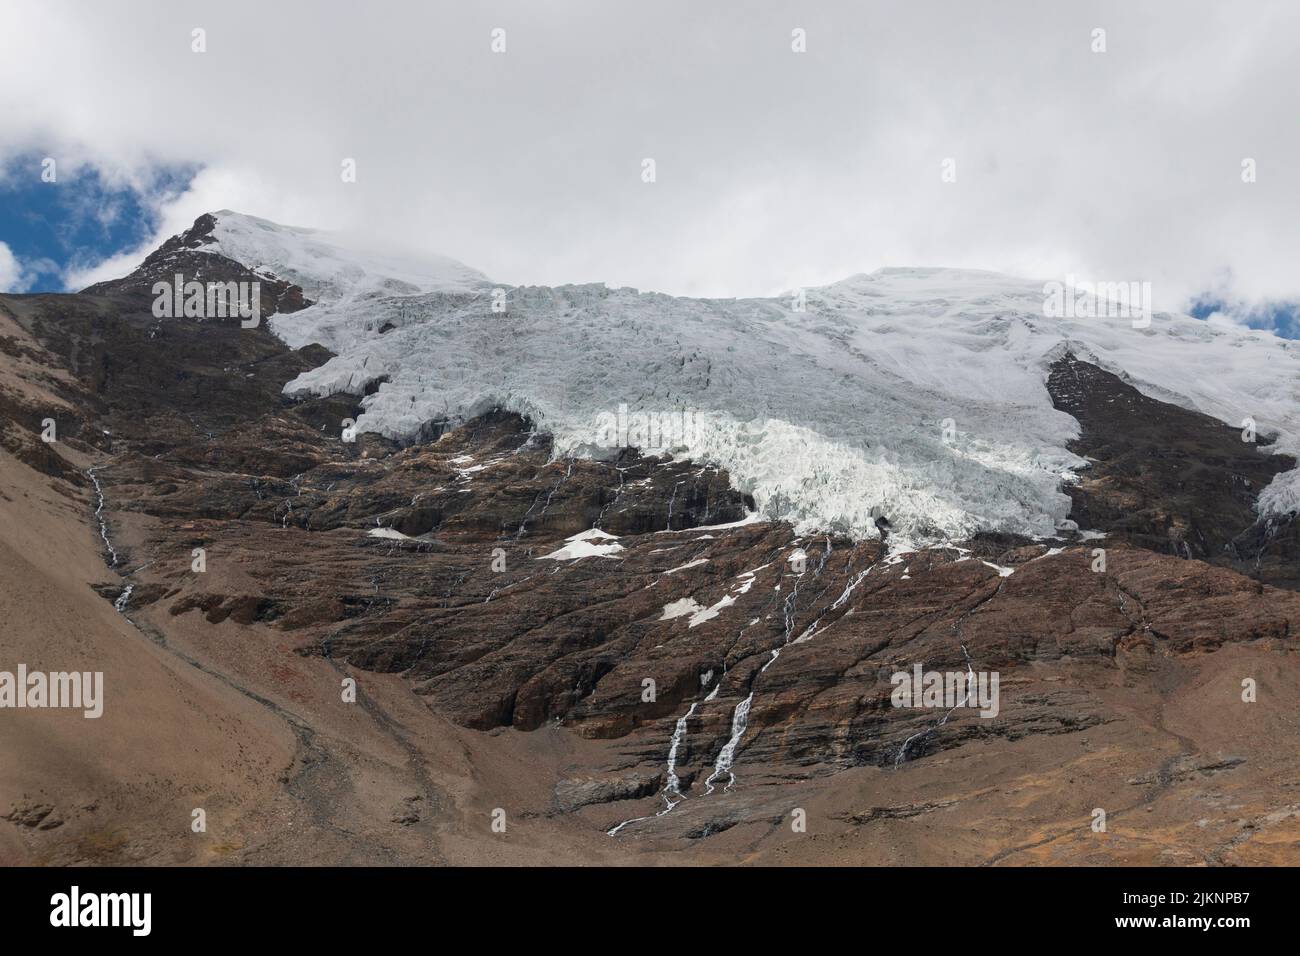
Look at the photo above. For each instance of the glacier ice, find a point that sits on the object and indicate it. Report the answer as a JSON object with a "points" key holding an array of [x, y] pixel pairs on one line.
{"points": [[918, 394]]}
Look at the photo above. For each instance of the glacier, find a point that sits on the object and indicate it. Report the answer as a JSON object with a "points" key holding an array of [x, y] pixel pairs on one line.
{"points": [[916, 394]]}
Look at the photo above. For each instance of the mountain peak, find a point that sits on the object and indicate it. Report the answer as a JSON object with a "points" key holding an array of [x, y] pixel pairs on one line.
{"points": [[327, 266], [332, 265]]}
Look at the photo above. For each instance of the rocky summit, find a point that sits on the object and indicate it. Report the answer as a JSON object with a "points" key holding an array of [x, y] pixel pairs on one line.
{"points": [[350, 635]]}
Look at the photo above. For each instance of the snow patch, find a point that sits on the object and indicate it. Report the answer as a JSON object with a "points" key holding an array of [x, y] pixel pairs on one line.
{"points": [[709, 613], [689, 564], [687, 605], [582, 545]]}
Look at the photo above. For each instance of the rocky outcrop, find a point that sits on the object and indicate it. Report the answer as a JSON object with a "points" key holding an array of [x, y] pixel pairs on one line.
{"points": [[1171, 479], [187, 255]]}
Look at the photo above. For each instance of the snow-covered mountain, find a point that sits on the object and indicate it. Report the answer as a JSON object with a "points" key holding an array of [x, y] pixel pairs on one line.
{"points": [[329, 267], [916, 394]]}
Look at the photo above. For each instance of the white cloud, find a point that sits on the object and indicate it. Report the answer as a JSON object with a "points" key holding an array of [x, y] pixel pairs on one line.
{"points": [[775, 169], [19, 275], [11, 273]]}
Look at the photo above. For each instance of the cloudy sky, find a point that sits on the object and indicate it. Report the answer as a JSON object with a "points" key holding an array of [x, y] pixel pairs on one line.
{"points": [[774, 169]]}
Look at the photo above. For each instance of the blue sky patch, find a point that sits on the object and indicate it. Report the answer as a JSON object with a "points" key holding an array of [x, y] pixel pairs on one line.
{"points": [[1282, 317], [78, 220]]}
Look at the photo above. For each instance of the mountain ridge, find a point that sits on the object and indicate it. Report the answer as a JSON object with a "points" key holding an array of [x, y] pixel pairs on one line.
{"points": [[501, 646], [924, 360]]}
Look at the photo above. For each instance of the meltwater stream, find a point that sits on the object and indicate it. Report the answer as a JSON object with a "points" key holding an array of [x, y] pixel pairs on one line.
{"points": [[970, 685], [740, 717], [99, 516], [123, 599], [672, 788]]}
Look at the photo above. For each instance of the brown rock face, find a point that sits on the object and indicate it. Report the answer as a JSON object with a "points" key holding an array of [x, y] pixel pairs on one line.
{"points": [[635, 604], [462, 597], [1173, 480]]}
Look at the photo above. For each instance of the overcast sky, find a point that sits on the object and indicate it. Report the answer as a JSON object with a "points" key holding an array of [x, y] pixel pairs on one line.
{"points": [[774, 169]]}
